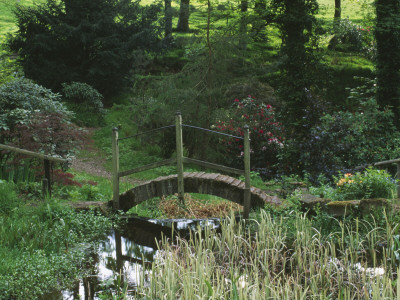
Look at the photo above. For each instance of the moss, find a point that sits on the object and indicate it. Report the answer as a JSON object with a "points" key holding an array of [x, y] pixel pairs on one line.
{"points": [[341, 208], [375, 201], [373, 205], [343, 203]]}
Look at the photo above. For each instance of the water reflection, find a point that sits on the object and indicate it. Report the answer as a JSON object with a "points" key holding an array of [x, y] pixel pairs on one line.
{"points": [[123, 259]]}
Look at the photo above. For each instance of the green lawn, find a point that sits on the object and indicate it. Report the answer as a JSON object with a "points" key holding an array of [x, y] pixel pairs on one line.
{"points": [[7, 20]]}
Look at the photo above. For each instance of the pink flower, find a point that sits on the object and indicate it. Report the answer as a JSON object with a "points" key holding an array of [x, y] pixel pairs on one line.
{"points": [[261, 131], [236, 100], [269, 106]]}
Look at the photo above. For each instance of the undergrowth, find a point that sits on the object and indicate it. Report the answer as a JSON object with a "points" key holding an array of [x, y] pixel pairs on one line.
{"points": [[39, 244]]}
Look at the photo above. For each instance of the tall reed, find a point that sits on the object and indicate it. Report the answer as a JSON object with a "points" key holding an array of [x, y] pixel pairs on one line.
{"points": [[275, 262]]}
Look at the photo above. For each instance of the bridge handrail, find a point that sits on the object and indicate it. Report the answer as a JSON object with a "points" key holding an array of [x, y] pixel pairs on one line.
{"points": [[180, 160], [183, 125], [213, 131], [145, 132]]}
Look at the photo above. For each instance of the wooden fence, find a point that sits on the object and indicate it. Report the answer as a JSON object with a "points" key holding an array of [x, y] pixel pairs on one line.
{"points": [[180, 160], [46, 158]]}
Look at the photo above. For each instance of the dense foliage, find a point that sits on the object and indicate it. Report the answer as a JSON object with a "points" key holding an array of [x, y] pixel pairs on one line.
{"points": [[343, 139], [265, 132], [85, 101], [33, 118], [296, 22], [38, 245], [388, 54], [89, 41], [365, 185]]}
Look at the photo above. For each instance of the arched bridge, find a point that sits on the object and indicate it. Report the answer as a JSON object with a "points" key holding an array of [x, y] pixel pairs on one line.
{"points": [[198, 182]]}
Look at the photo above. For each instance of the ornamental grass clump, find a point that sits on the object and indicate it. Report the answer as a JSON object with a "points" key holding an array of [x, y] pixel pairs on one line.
{"points": [[276, 261], [371, 183]]}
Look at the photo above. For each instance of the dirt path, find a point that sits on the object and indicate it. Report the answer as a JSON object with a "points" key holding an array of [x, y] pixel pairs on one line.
{"points": [[92, 161]]}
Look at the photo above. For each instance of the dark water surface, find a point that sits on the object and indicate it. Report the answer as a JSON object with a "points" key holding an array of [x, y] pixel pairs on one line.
{"points": [[124, 258]]}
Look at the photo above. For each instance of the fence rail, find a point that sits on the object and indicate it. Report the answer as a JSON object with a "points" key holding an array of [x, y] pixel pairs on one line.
{"points": [[34, 154], [46, 159], [180, 160]]}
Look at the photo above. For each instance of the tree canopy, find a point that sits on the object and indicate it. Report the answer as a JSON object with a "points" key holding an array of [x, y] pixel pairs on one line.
{"points": [[91, 41]]}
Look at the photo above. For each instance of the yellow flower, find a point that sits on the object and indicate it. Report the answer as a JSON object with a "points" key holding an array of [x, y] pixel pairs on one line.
{"points": [[344, 180]]}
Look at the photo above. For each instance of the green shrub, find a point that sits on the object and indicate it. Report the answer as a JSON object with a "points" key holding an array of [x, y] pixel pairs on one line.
{"points": [[86, 101], [87, 192], [371, 183], [21, 98], [347, 37], [346, 139], [89, 41], [33, 118]]}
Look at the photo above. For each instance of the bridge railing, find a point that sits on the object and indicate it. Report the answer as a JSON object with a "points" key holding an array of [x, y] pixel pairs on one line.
{"points": [[180, 159]]}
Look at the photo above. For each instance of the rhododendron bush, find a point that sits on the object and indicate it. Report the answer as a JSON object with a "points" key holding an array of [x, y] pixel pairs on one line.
{"points": [[265, 133]]}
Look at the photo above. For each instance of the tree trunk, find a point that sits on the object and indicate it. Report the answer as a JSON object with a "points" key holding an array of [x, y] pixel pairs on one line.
{"points": [[206, 139], [168, 19], [184, 13], [338, 13], [243, 25], [258, 24]]}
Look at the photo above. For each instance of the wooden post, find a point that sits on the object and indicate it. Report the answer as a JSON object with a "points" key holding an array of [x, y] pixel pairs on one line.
{"points": [[115, 168], [247, 194], [398, 180], [47, 176], [45, 186], [118, 252], [179, 156]]}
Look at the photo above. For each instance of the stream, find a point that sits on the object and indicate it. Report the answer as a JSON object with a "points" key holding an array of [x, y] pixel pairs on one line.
{"points": [[124, 258]]}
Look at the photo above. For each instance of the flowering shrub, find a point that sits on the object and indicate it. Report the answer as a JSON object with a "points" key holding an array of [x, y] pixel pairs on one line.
{"points": [[352, 37], [345, 180], [371, 183], [345, 139], [265, 132]]}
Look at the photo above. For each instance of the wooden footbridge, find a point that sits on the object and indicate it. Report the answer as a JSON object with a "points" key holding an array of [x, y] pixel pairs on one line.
{"points": [[215, 184], [205, 183]]}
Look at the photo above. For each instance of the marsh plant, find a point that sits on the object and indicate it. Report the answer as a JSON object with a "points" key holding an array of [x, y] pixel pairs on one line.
{"points": [[277, 261]]}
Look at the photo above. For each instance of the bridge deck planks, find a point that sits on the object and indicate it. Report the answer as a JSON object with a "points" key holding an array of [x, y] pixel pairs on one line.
{"points": [[216, 184]]}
